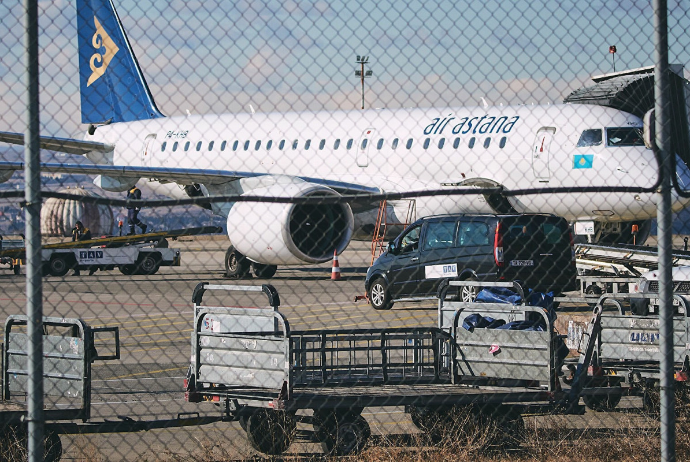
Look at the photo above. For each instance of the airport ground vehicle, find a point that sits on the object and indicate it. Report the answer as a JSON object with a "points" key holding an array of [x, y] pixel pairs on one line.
{"points": [[14, 263], [536, 249], [131, 254], [648, 284]]}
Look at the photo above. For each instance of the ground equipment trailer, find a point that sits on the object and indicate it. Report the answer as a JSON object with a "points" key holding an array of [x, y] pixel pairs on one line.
{"points": [[627, 355], [70, 346], [131, 254], [262, 373]]}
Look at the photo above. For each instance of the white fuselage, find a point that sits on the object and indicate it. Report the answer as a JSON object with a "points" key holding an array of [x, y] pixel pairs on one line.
{"points": [[518, 147]]}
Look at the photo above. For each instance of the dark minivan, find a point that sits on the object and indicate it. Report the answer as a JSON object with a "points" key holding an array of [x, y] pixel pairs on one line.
{"points": [[535, 249]]}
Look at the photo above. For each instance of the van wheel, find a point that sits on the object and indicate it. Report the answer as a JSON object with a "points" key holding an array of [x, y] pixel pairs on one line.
{"points": [[469, 293], [379, 295]]}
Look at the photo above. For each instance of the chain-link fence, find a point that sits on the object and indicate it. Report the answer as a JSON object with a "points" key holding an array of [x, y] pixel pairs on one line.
{"points": [[413, 231]]}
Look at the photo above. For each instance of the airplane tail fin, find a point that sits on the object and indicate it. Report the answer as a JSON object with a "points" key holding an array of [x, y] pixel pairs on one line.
{"points": [[113, 89]]}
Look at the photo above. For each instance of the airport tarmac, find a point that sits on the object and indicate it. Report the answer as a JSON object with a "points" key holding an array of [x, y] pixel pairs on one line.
{"points": [[154, 314]]}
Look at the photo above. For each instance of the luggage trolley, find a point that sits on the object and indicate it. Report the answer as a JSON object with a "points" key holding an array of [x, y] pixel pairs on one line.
{"points": [[251, 364]]}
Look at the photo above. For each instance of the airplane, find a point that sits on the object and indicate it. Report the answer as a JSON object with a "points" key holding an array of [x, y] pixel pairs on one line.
{"points": [[355, 153]]}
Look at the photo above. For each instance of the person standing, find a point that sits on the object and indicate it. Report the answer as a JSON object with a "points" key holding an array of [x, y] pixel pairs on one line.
{"points": [[133, 211], [80, 233]]}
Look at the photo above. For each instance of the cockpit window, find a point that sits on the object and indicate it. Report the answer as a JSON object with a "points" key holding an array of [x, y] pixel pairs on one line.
{"points": [[626, 136], [591, 137]]}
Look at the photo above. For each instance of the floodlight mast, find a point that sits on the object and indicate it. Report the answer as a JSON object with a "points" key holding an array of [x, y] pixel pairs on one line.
{"points": [[362, 60]]}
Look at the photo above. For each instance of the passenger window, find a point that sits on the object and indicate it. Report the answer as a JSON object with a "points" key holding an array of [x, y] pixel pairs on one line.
{"points": [[552, 233], [175, 146], [246, 145], [364, 143], [307, 144], [473, 234], [163, 146], [322, 144], [269, 144], [591, 137], [409, 144], [336, 144], [426, 143], [257, 145], [210, 146], [456, 143], [410, 242], [186, 146], [235, 145], [198, 146], [349, 143], [487, 142], [439, 235], [379, 145], [281, 145], [395, 143], [222, 145], [294, 145], [441, 142], [471, 143], [502, 143]]}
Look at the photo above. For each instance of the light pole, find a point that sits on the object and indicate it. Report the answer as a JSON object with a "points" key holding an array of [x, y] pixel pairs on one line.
{"points": [[362, 60]]}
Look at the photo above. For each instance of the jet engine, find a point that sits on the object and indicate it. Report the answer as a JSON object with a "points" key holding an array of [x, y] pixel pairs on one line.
{"points": [[288, 233]]}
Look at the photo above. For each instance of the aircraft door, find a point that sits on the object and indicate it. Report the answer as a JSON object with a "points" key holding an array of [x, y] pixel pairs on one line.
{"points": [[147, 152], [363, 147], [540, 153]]}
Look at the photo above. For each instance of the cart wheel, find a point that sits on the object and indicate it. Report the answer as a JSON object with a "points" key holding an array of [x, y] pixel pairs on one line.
{"points": [[379, 295], [264, 271], [604, 403], [343, 436], [593, 289], [148, 264], [128, 270], [236, 264], [53, 447], [243, 422], [58, 266], [271, 432]]}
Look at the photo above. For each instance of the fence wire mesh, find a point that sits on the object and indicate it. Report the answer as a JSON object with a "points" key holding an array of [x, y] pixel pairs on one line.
{"points": [[317, 229]]}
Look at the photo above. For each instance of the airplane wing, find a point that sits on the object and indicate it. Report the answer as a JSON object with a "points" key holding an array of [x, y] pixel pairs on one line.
{"points": [[67, 145], [184, 176]]}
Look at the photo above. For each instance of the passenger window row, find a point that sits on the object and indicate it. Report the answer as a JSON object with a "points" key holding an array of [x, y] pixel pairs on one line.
{"points": [[237, 145]]}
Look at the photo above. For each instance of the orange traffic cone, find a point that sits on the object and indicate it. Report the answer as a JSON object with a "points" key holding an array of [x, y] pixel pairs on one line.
{"points": [[335, 274]]}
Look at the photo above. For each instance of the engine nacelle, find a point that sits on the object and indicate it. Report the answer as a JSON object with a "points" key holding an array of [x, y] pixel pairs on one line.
{"points": [[284, 234], [5, 175]]}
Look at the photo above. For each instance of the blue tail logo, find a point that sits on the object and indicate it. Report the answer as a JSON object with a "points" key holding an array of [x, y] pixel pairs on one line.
{"points": [[113, 88]]}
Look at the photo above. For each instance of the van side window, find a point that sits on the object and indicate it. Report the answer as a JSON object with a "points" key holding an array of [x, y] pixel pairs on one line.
{"points": [[439, 235], [410, 242], [473, 234]]}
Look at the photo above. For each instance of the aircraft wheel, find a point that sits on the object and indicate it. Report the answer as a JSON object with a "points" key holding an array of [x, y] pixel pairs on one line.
{"points": [[236, 264], [379, 295], [264, 271], [128, 270]]}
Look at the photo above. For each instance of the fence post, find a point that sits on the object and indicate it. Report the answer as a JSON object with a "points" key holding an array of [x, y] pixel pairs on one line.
{"points": [[664, 231], [32, 211]]}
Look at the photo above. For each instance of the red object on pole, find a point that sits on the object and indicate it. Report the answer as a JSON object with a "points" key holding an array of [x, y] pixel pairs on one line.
{"points": [[335, 274], [612, 49]]}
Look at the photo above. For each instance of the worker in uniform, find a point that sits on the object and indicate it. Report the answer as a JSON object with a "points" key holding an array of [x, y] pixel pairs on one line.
{"points": [[80, 233], [133, 211]]}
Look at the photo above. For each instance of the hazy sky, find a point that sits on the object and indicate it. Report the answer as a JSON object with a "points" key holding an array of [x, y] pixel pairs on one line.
{"points": [[220, 56]]}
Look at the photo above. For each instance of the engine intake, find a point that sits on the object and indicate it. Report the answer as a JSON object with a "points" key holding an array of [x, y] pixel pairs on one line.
{"points": [[279, 234]]}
